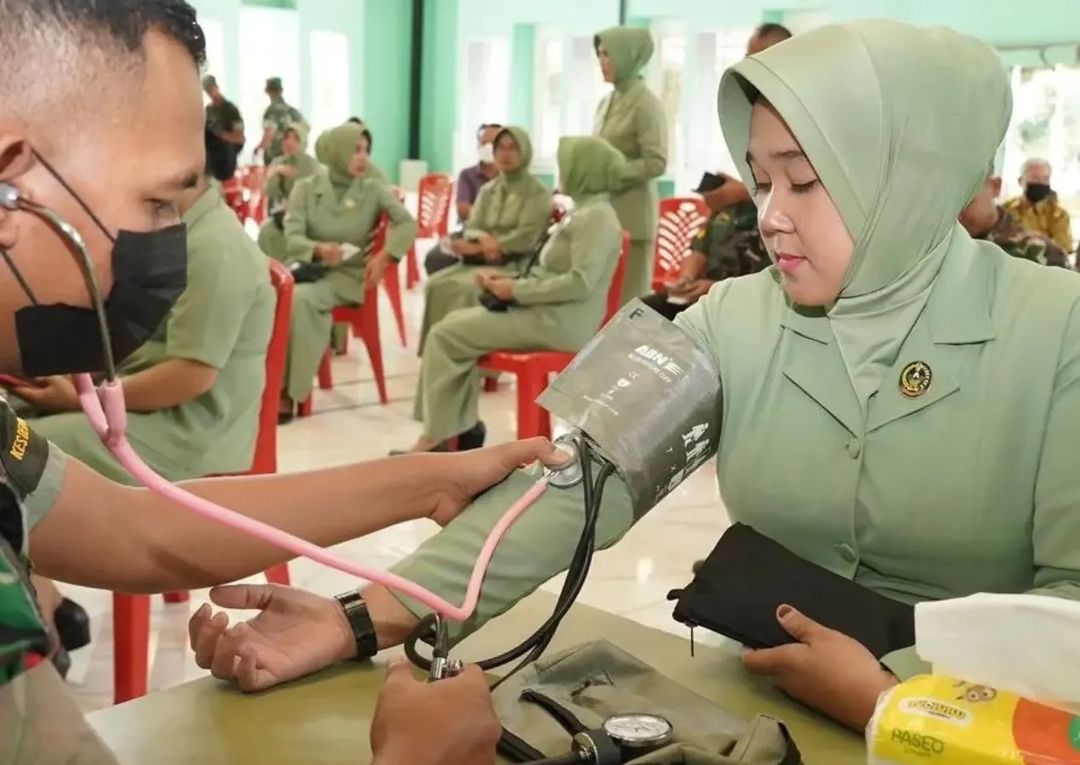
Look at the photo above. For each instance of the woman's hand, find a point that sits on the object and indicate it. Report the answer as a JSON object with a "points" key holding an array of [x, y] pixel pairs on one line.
{"points": [[489, 247], [376, 269], [49, 394], [498, 285], [826, 670], [328, 253]]}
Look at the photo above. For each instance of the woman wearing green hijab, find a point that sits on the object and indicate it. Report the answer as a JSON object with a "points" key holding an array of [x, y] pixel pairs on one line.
{"points": [[632, 120], [510, 215], [900, 401], [371, 173], [559, 305], [330, 219], [293, 165]]}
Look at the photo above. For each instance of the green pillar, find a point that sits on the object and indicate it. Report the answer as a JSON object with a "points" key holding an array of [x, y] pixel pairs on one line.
{"points": [[438, 109], [522, 74], [387, 41]]}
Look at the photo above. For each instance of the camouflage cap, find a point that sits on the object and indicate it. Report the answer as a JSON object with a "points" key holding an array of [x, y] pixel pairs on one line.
{"points": [[273, 83]]}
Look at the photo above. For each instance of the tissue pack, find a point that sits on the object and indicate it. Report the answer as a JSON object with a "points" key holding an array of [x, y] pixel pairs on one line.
{"points": [[938, 720]]}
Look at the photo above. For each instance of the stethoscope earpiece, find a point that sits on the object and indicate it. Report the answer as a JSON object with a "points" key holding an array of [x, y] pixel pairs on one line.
{"points": [[9, 196]]}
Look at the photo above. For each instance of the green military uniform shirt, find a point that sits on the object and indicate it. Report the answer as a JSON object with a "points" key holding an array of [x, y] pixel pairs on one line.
{"points": [[731, 244], [1020, 242], [223, 319], [279, 116], [224, 118], [956, 480]]}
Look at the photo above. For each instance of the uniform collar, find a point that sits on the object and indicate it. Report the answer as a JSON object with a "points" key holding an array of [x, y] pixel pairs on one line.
{"points": [[209, 200]]}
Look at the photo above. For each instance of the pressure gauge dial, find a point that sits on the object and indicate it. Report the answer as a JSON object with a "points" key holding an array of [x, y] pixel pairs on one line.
{"points": [[639, 731]]}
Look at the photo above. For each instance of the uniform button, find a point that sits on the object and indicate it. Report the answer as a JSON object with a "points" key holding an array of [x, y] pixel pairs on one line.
{"points": [[847, 552], [854, 448]]}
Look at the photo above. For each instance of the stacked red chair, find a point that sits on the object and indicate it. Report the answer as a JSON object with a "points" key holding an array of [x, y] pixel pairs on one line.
{"points": [[131, 613], [533, 369], [436, 195], [680, 220]]}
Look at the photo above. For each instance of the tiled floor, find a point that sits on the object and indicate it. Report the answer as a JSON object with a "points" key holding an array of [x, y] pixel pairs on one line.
{"points": [[632, 579]]}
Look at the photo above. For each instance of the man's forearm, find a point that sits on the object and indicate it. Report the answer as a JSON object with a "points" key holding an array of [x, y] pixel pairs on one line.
{"points": [[100, 534], [168, 384]]}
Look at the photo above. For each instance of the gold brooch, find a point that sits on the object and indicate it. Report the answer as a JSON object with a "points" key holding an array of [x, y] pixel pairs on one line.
{"points": [[915, 379]]}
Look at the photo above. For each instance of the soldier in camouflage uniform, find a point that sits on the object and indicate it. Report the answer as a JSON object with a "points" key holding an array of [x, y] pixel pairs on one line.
{"points": [[727, 245], [985, 219], [277, 118]]}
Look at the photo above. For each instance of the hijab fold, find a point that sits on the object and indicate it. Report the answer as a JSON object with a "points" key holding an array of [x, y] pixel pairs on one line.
{"points": [[900, 123]]}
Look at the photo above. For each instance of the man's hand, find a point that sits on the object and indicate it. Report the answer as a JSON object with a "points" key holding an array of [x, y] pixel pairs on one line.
{"points": [[329, 253], [450, 722], [477, 471], [49, 394], [826, 670], [294, 634], [376, 269]]}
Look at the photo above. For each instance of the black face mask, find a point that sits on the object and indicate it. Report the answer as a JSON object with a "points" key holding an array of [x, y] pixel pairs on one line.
{"points": [[1037, 192], [149, 272]]}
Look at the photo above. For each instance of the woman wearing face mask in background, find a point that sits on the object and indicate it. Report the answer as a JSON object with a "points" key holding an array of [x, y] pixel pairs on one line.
{"points": [[327, 214], [900, 402], [294, 165], [632, 120], [509, 218]]}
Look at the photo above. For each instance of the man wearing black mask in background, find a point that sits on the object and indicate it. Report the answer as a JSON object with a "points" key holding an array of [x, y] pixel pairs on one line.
{"points": [[1037, 209], [113, 161]]}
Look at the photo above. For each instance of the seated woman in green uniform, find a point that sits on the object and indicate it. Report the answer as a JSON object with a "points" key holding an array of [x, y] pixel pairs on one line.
{"points": [[558, 306], [900, 401], [330, 220], [510, 215], [293, 165]]}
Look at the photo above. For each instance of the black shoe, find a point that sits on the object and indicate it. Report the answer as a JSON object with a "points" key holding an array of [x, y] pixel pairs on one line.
{"points": [[284, 418], [72, 625], [473, 438]]}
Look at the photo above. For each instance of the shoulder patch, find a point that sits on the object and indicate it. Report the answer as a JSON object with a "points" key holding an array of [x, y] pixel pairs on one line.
{"points": [[23, 453]]}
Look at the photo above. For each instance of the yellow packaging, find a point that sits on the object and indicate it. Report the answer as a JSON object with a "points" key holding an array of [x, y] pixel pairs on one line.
{"points": [[937, 720]]}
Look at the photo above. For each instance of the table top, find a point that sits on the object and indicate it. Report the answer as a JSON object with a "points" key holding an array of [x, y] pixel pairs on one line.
{"points": [[325, 718]]}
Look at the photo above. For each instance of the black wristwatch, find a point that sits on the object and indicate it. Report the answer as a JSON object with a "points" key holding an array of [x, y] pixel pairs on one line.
{"points": [[356, 612]]}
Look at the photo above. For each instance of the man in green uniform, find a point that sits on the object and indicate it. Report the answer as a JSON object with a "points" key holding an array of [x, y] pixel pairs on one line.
{"points": [[222, 117], [1037, 209], [726, 246], [293, 165], [115, 167], [985, 219], [632, 120], [330, 220], [276, 120], [510, 216]]}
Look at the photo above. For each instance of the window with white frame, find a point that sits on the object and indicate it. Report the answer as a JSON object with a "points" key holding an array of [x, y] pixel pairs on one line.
{"points": [[269, 47], [549, 97], [486, 93], [585, 89], [329, 80]]}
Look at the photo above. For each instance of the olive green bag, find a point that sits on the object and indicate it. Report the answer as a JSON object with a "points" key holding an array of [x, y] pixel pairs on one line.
{"points": [[595, 681]]}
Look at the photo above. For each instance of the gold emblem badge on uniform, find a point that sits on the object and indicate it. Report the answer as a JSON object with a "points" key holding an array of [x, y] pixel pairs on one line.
{"points": [[915, 379]]}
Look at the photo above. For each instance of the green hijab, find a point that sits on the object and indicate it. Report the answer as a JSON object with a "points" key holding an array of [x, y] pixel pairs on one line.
{"points": [[900, 123], [335, 149], [588, 166], [521, 137], [630, 49]]}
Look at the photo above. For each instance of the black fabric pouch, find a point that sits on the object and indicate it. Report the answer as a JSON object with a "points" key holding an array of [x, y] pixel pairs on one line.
{"points": [[305, 273], [747, 576]]}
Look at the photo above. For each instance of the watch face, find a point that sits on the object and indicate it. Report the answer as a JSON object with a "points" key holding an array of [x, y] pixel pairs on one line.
{"points": [[638, 730]]}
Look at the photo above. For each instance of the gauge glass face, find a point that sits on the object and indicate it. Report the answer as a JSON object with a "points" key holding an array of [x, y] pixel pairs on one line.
{"points": [[637, 729]]}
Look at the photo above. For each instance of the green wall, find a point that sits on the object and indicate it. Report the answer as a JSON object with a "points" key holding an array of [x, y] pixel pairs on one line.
{"points": [[438, 107]]}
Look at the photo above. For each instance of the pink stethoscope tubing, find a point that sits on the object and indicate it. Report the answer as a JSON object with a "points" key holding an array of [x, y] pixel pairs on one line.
{"points": [[104, 407]]}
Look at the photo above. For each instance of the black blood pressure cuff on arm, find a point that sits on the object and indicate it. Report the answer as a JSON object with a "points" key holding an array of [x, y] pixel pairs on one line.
{"points": [[748, 576]]}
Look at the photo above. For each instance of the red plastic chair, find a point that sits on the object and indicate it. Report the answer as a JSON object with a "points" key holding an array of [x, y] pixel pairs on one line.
{"points": [[680, 220], [234, 192], [131, 613], [364, 321], [436, 194], [255, 183], [533, 369]]}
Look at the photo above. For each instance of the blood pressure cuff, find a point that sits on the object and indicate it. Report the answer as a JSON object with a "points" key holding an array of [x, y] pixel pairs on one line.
{"points": [[586, 685], [739, 587]]}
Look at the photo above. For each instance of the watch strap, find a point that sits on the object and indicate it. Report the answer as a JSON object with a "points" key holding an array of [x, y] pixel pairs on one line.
{"points": [[363, 629]]}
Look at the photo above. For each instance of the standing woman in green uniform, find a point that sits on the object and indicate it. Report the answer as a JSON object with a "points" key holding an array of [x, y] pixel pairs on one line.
{"points": [[558, 306], [632, 120], [900, 401], [510, 215], [331, 215], [294, 165]]}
